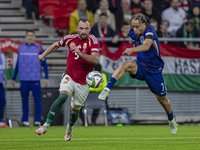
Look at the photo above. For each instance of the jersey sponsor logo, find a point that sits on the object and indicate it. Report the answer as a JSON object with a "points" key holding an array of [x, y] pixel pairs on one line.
{"points": [[65, 82], [149, 33], [72, 43], [84, 45], [142, 39]]}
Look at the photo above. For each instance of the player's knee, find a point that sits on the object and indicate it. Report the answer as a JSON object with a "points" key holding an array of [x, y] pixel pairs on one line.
{"points": [[128, 64], [73, 111]]}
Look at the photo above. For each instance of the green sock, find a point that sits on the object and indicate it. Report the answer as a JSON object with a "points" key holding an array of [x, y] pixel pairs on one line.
{"points": [[56, 107], [73, 118]]}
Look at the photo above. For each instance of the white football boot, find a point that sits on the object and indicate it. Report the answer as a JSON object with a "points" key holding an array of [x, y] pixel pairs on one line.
{"points": [[173, 125], [102, 96], [42, 129], [68, 134]]}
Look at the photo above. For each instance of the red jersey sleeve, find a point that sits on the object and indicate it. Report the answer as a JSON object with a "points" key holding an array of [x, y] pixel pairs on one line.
{"points": [[63, 42], [94, 44]]}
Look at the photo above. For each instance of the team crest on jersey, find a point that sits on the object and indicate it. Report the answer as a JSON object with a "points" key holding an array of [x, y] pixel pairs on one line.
{"points": [[65, 82], [84, 45], [72, 43], [142, 39]]}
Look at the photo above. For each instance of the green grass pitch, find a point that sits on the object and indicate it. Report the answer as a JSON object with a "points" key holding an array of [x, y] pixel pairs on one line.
{"points": [[135, 137]]}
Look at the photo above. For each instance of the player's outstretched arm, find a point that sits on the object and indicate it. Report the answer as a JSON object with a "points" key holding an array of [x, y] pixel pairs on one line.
{"points": [[49, 50], [142, 48]]}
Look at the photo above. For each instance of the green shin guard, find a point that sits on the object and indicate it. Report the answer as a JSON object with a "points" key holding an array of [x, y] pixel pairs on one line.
{"points": [[56, 107], [73, 118]]}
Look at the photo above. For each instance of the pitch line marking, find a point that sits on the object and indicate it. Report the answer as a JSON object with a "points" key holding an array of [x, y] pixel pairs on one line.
{"points": [[96, 139]]}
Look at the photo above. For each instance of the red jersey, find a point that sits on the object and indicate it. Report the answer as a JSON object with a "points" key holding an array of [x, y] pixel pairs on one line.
{"points": [[77, 67]]}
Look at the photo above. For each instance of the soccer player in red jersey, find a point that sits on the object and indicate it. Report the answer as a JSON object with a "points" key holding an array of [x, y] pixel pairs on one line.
{"points": [[83, 54]]}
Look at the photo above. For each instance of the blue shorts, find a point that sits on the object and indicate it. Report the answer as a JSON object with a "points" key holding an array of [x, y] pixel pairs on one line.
{"points": [[155, 82]]}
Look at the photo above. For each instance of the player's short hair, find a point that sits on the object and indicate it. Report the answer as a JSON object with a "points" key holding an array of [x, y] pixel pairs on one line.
{"points": [[103, 14], [84, 20], [141, 18], [30, 30]]}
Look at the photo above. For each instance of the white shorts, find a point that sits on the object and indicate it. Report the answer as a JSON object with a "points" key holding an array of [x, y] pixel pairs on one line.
{"points": [[78, 92]]}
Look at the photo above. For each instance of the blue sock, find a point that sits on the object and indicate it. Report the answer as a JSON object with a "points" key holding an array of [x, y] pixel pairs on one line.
{"points": [[111, 82], [170, 116]]}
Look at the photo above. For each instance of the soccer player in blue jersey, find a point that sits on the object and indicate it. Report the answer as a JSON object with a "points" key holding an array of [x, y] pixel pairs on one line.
{"points": [[148, 65]]}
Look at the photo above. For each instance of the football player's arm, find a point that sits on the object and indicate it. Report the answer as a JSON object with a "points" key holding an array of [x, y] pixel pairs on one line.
{"points": [[49, 50], [142, 48], [93, 58]]}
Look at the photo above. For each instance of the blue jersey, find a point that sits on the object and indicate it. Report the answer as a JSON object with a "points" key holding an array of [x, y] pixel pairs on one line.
{"points": [[151, 59]]}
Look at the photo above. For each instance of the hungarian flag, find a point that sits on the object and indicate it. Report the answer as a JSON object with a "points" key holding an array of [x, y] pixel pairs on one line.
{"points": [[9, 54], [181, 70]]}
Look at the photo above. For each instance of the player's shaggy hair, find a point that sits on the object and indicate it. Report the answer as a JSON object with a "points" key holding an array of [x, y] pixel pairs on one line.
{"points": [[141, 18]]}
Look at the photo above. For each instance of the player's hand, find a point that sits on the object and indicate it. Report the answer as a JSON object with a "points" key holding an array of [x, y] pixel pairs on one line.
{"points": [[127, 52], [40, 58], [74, 49], [13, 83], [46, 82]]}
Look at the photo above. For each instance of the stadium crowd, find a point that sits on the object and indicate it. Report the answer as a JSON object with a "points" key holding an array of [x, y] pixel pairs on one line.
{"points": [[170, 18]]}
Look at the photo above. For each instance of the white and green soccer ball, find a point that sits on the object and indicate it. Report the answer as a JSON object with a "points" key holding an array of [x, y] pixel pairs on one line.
{"points": [[94, 79]]}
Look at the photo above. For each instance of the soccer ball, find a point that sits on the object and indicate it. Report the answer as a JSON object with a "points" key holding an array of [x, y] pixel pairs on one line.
{"points": [[94, 79]]}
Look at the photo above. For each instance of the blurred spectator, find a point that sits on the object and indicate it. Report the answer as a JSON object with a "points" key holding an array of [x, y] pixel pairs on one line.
{"points": [[175, 15], [80, 12], [185, 5], [101, 29], [154, 24], [188, 31], [195, 16], [103, 8], [160, 5], [92, 5], [124, 14], [162, 32], [31, 5], [114, 5], [2, 96], [151, 12], [124, 30], [29, 68], [194, 3], [136, 6]]}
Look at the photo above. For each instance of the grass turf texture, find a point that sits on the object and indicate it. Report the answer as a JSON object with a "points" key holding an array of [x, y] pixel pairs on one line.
{"points": [[145, 137]]}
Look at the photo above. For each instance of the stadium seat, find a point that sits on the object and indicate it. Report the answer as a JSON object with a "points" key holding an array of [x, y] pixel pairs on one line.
{"points": [[92, 102], [46, 9], [61, 18], [69, 3]]}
